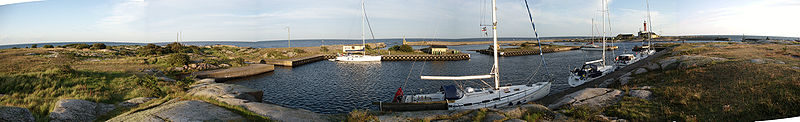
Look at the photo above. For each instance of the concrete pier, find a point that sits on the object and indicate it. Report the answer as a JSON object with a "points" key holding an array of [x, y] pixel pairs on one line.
{"points": [[310, 59], [236, 72], [526, 52], [448, 57], [299, 61]]}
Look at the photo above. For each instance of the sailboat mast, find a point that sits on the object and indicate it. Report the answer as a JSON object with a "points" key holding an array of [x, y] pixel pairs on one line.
{"points": [[604, 32], [496, 69], [649, 32], [363, 14]]}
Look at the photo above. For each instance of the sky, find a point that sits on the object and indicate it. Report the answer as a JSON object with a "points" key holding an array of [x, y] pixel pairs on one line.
{"points": [[145, 21]]}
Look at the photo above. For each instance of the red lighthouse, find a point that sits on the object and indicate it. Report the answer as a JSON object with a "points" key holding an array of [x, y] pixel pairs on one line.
{"points": [[645, 26]]}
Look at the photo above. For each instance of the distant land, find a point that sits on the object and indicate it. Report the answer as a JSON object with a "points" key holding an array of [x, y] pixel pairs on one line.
{"points": [[244, 43]]}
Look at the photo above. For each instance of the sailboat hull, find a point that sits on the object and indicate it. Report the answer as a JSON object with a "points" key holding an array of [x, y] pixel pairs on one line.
{"points": [[575, 80], [358, 58], [505, 96]]}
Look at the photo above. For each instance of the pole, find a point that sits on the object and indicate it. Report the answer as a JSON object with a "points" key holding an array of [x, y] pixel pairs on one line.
{"points": [[496, 69], [289, 31], [649, 33], [363, 14], [604, 32]]}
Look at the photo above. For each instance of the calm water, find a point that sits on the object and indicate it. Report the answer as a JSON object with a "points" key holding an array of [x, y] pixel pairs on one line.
{"points": [[338, 87]]}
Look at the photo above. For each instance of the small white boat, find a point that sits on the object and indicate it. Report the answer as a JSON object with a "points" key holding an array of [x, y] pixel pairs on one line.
{"points": [[593, 69], [357, 58], [626, 59], [588, 72], [593, 47], [362, 49]]}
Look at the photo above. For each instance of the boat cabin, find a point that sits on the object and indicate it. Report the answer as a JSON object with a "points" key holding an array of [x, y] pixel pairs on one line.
{"points": [[353, 49]]}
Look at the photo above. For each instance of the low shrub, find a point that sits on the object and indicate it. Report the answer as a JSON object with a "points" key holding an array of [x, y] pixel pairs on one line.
{"points": [[48, 46], [403, 48], [175, 60], [96, 46]]}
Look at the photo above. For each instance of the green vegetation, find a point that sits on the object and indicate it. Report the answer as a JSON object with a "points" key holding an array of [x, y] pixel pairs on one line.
{"points": [[175, 60], [96, 46], [34, 45], [48, 46], [403, 48], [76, 46], [361, 116], [38, 91], [36, 82], [736, 89]]}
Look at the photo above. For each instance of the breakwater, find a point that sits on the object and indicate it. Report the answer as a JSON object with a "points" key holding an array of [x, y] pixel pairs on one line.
{"points": [[310, 59], [526, 52]]}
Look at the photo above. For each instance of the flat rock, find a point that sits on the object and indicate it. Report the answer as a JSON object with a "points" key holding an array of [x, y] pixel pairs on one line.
{"points": [[652, 66], [15, 114], [279, 113], [592, 97], [666, 63], [517, 112], [624, 80], [222, 90], [515, 120], [135, 101], [766, 61], [688, 61], [78, 110], [639, 71], [644, 94], [181, 111], [492, 116]]}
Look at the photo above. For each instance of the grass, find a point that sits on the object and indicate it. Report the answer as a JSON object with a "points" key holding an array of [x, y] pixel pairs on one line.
{"points": [[38, 91], [734, 90], [37, 82]]}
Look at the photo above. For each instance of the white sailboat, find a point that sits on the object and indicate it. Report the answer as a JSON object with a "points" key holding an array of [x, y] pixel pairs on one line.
{"points": [[363, 57], [452, 97], [593, 69], [646, 50]]}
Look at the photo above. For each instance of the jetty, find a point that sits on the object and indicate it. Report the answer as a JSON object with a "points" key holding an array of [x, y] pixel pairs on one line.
{"points": [[526, 52], [319, 57], [455, 43], [552, 98], [236, 72]]}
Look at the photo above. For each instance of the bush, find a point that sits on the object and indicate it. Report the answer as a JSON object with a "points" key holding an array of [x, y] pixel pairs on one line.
{"points": [[77, 46], [48, 46], [299, 50], [404, 48], [237, 62], [34, 46], [175, 47], [323, 49], [96, 46], [150, 49], [15, 48], [176, 60]]}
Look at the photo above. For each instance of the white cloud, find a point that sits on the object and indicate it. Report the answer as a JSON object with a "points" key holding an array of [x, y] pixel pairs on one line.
{"points": [[8, 2]]}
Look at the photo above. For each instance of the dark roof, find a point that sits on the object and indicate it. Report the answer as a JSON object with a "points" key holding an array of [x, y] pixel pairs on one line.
{"points": [[438, 46]]}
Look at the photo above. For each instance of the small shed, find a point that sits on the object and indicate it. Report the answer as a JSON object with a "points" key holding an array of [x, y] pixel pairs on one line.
{"points": [[435, 49]]}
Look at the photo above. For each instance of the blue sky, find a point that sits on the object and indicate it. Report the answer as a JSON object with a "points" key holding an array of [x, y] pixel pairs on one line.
{"points": [[26, 21]]}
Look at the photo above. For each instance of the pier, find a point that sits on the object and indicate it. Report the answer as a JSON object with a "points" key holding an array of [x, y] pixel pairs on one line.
{"points": [[299, 61], [236, 72], [526, 52], [549, 99], [310, 59], [448, 57]]}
